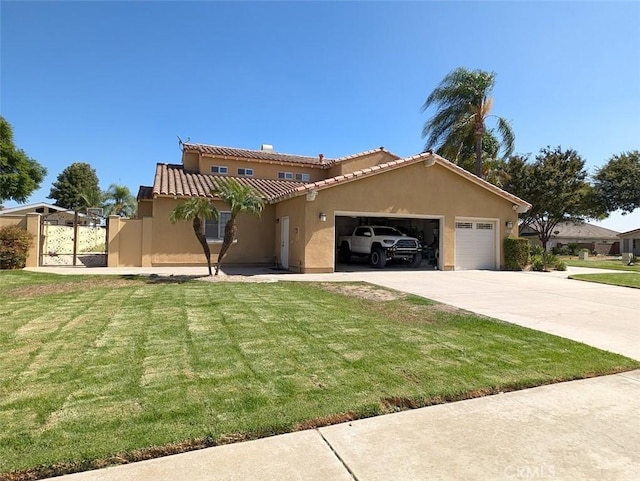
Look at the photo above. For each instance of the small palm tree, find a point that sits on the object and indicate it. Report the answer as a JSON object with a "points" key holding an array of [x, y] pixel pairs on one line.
{"points": [[240, 198], [464, 105], [119, 201], [196, 210]]}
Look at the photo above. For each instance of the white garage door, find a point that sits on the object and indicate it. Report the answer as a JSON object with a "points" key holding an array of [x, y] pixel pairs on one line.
{"points": [[475, 245]]}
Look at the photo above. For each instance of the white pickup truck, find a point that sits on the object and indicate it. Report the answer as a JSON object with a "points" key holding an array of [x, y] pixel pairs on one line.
{"points": [[380, 244]]}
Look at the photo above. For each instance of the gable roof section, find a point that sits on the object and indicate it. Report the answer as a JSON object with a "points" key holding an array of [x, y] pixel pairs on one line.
{"points": [[522, 205], [172, 180], [19, 208], [274, 157], [570, 230], [630, 233]]}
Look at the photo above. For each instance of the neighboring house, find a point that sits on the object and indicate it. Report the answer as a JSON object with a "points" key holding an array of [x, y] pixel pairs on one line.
{"points": [[51, 214], [630, 241], [310, 202], [586, 236]]}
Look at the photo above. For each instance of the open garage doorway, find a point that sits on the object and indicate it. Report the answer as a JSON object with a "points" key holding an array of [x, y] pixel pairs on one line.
{"points": [[427, 229]]}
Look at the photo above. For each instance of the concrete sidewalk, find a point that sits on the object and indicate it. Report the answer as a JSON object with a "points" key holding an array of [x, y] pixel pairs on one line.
{"points": [[581, 430]]}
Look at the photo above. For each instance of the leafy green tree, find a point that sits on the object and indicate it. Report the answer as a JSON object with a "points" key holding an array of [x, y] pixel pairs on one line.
{"points": [[463, 101], [618, 182], [557, 187], [77, 187], [196, 210], [240, 198], [20, 175], [118, 200]]}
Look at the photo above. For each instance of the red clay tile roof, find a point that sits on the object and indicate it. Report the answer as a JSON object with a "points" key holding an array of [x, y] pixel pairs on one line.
{"points": [[173, 180], [266, 156], [234, 153]]}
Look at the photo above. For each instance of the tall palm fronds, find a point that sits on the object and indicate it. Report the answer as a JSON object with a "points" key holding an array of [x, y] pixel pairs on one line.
{"points": [[196, 210], [464, 104], [118, 200], [240, 198]]}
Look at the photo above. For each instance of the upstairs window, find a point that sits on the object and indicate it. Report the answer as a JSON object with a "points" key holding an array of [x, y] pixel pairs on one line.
{"points": [[219, 169], [303, 177], [285, 175], [245, 172]]}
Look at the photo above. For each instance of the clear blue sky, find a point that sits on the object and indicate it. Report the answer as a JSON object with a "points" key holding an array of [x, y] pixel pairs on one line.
{"points": [[114, 83]]}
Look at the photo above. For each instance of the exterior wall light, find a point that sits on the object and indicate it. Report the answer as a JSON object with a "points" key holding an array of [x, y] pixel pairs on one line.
{"points": [[509, 224], [323, 217]]}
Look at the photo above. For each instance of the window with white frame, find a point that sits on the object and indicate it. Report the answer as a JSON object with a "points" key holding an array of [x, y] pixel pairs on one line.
{"points": [[285, 175], [219, 169], [214, 229], [245, 172], [303, 177]]}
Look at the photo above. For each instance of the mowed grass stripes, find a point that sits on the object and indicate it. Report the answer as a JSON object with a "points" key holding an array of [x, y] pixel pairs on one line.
{"points": [[92, 368]]}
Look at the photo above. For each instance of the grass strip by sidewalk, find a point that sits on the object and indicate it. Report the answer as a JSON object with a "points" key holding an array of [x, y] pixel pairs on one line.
{"points": [[103, 370], [614, 265], [630, 279]]}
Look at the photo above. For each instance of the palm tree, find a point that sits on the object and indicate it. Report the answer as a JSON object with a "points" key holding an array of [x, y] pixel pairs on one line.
{"points": [[119, 201], [240, 198], [196, 210], [463, 107]]}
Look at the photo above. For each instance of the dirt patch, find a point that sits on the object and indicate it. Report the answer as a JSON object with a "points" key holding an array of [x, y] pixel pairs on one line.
{"points": [[362, 291]]}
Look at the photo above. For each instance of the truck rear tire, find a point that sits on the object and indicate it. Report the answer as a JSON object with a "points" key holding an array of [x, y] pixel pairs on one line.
{"points": [[378, 258]]}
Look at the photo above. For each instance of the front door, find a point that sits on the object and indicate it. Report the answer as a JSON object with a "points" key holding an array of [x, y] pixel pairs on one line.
{"points": [[284, 242]]}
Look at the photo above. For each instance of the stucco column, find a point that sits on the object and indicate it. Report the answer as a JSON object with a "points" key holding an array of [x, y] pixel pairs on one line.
{"points": [[33, 227], [114, 241], [147, 233]]}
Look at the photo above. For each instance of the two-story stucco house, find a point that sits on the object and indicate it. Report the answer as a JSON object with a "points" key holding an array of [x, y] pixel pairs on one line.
{"points": [[311, 201]]}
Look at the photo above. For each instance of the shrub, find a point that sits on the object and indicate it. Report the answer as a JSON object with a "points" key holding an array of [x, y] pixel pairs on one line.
{"points": [[544, 261], [516, 253], [572, 247], [561, 266], [537, 264], [14, 247]]}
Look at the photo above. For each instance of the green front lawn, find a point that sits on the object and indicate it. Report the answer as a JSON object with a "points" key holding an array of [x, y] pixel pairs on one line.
{"points": [[616, 265], [625, 280], [100, 370]]}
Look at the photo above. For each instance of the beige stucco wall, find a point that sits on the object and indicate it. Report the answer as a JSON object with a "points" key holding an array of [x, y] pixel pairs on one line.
{"points": [[415, 189], [19, 220], [295, 210], [261, 170], [145, 208], [176, 244], [359, 163]]}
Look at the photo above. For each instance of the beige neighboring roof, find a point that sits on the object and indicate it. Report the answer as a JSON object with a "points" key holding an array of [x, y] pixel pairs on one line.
{"points": [[629, 233], [19, 208], [522, 205], [569, 230], [274, 157], [173, 180]]}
